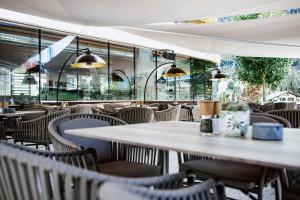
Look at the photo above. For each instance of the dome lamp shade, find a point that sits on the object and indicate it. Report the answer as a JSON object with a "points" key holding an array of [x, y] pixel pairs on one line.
{"points": [[88, 60], [174, 71]]}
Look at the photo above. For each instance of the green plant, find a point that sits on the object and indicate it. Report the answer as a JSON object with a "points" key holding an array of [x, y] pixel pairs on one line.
{"points": [[262, 71], [234, 107], [199, 76]]}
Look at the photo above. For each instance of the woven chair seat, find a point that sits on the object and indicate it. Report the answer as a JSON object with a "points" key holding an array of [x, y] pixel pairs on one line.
{"points": [[129, 169], [231, 173]]}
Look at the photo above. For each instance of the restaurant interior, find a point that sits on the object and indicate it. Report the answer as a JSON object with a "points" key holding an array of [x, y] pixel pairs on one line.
{"points": [[181, 100]]}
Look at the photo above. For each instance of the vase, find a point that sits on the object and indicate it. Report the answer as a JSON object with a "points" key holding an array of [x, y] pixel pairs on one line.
{"points": [[234, 123]]}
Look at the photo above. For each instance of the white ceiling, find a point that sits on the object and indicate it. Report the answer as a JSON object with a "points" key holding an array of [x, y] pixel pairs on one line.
{"points": [[138, 12], [133, 22], [278, 30]]}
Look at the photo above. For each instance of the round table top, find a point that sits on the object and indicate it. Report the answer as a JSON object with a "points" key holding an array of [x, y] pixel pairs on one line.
{"points": [[20, 113]]}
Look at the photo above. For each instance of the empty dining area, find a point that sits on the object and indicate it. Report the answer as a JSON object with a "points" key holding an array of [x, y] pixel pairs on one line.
{"points": [[140, 100]]}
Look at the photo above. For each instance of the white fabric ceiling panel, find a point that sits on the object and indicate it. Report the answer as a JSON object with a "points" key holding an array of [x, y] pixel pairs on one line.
{"points": [[136, 12], [273, 6], [104, 33], [278, 30], [219, 46]]}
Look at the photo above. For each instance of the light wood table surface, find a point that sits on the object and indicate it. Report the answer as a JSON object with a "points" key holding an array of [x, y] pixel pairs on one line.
{"points": [[185, 137], [20, 113]]}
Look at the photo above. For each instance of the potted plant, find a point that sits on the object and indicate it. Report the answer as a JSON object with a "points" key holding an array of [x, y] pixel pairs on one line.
{"points": [[235, 119]]}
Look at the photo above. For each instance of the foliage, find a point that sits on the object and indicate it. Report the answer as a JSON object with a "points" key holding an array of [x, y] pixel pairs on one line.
{"points": [[262, 71], [247, 17], [200, 75], [261, 15]]}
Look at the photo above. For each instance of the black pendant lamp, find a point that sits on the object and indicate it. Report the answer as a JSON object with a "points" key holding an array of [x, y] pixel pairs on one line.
{"points": [[174, 71], [88, 60]]}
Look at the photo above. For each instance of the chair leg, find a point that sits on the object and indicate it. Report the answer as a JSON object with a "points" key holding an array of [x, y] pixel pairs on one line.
{"points": [[277, 187], [260, 193]]}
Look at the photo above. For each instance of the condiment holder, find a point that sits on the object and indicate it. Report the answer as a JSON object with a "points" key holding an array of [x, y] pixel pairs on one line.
{"points": [[209, 112]]}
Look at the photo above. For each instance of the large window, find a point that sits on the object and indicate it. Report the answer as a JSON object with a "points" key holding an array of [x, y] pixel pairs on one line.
{"points": [[183, 86], [122, 72], [93, 83], [145, 63], [19, 48], [38, 55], [56, 48]]}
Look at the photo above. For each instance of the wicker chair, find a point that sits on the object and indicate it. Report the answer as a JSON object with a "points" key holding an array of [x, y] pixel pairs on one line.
{"points": [[136, 115], [267, 107], [280, 105], [207, 190], [81, 109], [36, 131], [254, 105], [260, 118], [101, 111], [2, 131], [32, 116], [290, 180], [277, 119], [291, 105], [113, 158], [253, 110], [196, 113], [293, 116], [185, 114], [171, 114], [112, 106], [245, 177], [28, 176], [292, 193]]}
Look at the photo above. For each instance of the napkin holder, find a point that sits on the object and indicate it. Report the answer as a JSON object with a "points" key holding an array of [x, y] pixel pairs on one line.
{"points": [[267, 131]]}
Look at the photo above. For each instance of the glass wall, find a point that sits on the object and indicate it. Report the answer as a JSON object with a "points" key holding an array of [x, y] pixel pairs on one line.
{"points": [[183, 86], [145, 63], [93, 83], [122, 72], [56, 49], [19, 50], [28, 51]]}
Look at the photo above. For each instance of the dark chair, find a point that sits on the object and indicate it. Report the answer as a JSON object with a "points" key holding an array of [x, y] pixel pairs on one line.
{"points": [[136, 115], [280, 105], [267, 107], [253, 110], [101, 111], [278, 119], [34, 115], [293, 116], [113, 158], [2, 131], [292, 193], [255, 106], [207, 190], [28, 176], [290, 184], [36, 131], [247, 178]]}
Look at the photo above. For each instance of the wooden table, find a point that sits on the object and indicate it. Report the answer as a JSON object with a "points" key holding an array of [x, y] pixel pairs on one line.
{"points": [[20, 113], [152, 108], [185, 137]]}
